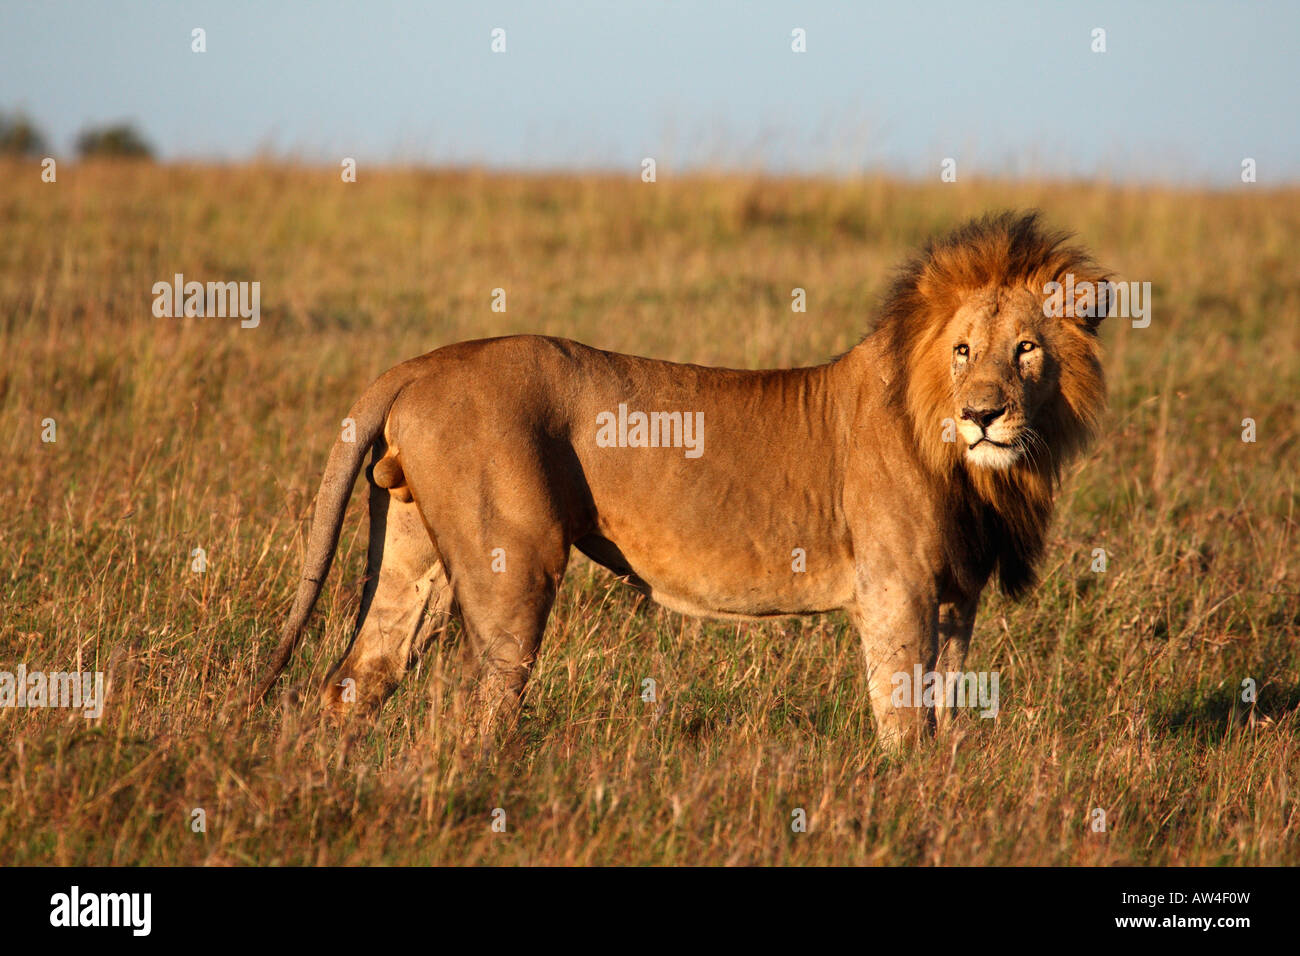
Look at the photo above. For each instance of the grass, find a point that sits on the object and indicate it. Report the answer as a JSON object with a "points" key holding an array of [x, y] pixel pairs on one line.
{"points": [[1119, 690]]}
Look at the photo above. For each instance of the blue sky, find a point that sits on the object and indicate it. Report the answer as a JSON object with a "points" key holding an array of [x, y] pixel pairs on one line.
{"points": [[1183, 92]]}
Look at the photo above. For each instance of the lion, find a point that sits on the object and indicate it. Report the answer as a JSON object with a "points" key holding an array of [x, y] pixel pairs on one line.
{"points": [[892, 482]]}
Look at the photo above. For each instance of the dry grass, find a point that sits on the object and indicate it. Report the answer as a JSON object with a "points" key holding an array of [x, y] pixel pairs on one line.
{"points": [[1119, 690]]}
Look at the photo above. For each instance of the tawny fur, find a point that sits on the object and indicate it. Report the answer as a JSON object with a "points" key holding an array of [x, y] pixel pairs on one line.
{"points": [[488, 470]]}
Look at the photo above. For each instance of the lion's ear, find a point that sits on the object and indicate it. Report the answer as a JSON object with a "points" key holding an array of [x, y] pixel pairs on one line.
{"points": [[1087, 301], [1095, 303]]}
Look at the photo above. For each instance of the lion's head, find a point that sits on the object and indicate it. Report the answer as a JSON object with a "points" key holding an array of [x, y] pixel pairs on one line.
{"points": [[995, 327]]}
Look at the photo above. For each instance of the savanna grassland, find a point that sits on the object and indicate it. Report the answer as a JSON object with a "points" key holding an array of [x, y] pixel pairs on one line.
{"points": [[1120, 690]]}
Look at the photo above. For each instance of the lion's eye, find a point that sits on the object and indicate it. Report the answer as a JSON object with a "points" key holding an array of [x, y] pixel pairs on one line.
{"points": [[1024, 347], [963, 351]]}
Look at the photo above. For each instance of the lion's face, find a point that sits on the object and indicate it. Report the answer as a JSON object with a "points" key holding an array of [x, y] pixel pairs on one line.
{"points": [[1003, 356], [1000, 377]]}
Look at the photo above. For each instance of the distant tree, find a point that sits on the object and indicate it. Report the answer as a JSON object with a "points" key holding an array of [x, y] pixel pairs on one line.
{"points": [[119, 140], [19, 136]]}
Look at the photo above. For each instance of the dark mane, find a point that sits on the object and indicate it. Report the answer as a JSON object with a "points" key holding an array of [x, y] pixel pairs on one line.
{"points": [[997, 520]]}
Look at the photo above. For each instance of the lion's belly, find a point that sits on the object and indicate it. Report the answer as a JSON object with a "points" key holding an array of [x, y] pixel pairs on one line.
{"points": [[742, 606], [741, 574], [745, 529]]}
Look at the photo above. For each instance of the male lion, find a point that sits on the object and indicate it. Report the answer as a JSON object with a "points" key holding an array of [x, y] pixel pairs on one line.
{"points": [[908, 471]]}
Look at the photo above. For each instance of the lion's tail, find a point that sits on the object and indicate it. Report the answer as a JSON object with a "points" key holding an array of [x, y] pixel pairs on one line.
{"points": [[369, 414]]}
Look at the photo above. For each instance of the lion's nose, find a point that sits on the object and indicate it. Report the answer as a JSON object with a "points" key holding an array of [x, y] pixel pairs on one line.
{"points": [[984, 417]]}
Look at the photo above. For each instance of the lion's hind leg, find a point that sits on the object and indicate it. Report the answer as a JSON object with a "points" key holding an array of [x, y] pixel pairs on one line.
{"points": [[505, 616], [503, 507], [505, 578], [405, 601]]}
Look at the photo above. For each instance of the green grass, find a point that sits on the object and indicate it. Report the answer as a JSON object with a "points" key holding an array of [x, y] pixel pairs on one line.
{"points": [[1118, 690]]}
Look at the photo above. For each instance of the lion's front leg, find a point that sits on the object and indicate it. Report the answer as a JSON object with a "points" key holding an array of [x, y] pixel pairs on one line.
{"points": [[956, 621], [898, 634]]}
